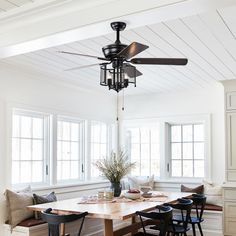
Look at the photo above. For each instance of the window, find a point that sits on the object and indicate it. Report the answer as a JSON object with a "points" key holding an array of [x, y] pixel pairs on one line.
{"points": [[29, 147], [143, 147], [187, 150], [70, 149], [99, 144]]}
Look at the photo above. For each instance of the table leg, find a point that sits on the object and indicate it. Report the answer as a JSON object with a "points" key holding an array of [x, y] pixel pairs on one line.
{"points": [[62, 229], [108, 227], [133, 222]]}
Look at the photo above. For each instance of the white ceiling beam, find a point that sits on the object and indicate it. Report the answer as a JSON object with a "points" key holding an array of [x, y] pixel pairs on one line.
{"points": [[70, 21]]}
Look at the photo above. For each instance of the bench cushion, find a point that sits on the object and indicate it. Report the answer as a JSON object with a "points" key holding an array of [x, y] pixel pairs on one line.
{"points": [[31, 222]]}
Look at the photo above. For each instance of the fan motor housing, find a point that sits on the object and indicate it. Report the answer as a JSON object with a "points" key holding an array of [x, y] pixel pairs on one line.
{"points": [[112, 50]]}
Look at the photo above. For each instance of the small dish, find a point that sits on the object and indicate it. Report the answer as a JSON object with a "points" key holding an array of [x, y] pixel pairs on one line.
{"points": [[132, 196], [147, 195]]}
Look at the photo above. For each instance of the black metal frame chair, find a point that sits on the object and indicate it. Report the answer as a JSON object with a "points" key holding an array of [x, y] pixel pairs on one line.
{"points": [[54, 221], [160, 218], [199, 202], [181, 227]]}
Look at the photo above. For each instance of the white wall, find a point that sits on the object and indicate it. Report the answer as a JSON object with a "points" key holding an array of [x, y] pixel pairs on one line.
{"points": [[209, 101], [18, 87]]}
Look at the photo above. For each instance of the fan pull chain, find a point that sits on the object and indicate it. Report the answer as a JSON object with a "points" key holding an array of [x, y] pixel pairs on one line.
{"points": [[123, 100]]}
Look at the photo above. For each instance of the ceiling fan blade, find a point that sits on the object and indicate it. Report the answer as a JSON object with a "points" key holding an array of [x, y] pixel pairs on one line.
{"points": [[81, 67], [160, 61], [132, 71], [132, 50], [84, 55]]}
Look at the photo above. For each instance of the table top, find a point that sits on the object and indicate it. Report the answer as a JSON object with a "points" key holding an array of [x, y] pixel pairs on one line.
{"points": [[106, 210]]}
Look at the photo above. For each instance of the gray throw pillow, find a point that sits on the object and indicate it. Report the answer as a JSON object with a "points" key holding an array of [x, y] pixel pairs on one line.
{"points": [[51, 197]]}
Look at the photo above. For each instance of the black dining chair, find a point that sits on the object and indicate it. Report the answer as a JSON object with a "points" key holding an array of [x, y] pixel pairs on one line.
{"points": [[160, 218], [199, 202], [55, 222], [184, 206]]}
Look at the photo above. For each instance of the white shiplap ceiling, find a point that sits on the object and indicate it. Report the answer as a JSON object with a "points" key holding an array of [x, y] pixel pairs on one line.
{"points": [[207, 40], [7, 5]]}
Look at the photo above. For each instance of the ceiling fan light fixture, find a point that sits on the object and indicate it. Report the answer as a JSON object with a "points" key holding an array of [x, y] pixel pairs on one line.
{"points": [[116, 78]]}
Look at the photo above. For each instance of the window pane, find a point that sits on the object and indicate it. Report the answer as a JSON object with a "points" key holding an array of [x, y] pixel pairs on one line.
{"points": [[136, 170], [15, 149], [59, 170], [187, 168], [176, 133], [176, 168], [37, 171], [155, 150], [135, 135], [103, 133], [187, 150], [187, 133], [26, 123], [155, 167], [176, 150], [199, 151], [144, 135], [74, 169], [74, 132], [65, 150], [25, 172], [37, 128], [74, 151], [65, 130], [16, 126], [30, 146], [37, 150], [25, 149], [145, 152], [65, 170], [199, 169], [145, 168], [103, 150], [198, 132], [135, 151], [15, 172]]}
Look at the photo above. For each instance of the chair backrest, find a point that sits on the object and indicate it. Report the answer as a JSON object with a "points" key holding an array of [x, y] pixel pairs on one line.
{"points": [[54, 221], [199, 202], [184, 206], [161, 217]]}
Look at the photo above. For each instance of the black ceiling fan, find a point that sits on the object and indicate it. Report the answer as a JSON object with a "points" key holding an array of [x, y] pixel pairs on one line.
{"points": [[120, 57]]}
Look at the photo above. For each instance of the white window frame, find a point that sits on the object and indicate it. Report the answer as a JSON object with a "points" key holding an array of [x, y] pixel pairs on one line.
{"points": [[185, 120], [82, 151], [164, 142], [138, 124], [108, 145], [46, 136]]}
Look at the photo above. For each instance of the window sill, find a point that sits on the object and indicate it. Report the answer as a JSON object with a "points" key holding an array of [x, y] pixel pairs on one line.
{"points": [[72, 185], [179, 181]]}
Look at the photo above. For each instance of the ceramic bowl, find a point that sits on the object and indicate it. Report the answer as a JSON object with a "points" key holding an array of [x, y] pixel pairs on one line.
{"points": [[145, 189], [132, 196]]}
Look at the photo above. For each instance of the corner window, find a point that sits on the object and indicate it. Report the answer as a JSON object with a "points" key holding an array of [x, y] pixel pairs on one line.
{"points": [[30, 147], [144, 149], [187, 150]]}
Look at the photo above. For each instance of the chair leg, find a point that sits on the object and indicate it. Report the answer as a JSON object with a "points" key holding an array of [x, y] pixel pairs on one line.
{"points": [[200, 229], [193, 228]]}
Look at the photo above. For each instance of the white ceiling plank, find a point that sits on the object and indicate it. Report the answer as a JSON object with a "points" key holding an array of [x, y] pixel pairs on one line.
{"points": [[228, 15], [209, 40], [180, 29], [19, 2], [218, 28], [169, 51], [6, 6], [187, 50], [154, 51]]}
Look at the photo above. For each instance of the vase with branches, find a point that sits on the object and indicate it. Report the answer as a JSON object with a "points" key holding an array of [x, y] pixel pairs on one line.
{"points": [[115, 168]]}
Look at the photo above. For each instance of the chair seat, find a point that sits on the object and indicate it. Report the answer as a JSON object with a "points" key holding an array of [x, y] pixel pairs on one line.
{"points": [[178, 228], [142, 234], [194, 219]]}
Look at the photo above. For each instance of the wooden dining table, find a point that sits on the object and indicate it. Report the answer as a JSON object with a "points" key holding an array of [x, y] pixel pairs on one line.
{"points": [[110, 210]]}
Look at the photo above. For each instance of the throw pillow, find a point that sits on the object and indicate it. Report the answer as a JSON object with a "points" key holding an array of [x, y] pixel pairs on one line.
{"points": [[138, 182], [51, 197], [17, 203], [199, 189], [213, 193]]}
